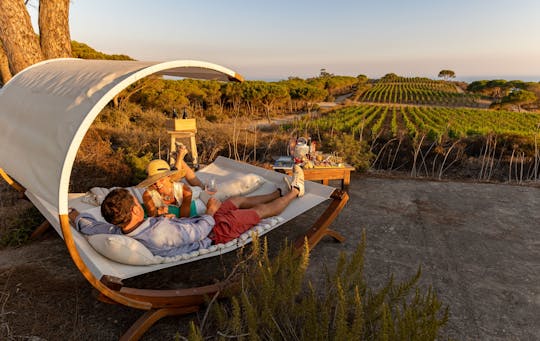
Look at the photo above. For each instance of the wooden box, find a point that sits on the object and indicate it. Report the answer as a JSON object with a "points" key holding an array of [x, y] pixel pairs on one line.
{"points": [[179, 124]]}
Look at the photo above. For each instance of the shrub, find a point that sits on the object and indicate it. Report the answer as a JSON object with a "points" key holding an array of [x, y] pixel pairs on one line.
{"points": [[277, 302], [355, 152], [138, 165]]}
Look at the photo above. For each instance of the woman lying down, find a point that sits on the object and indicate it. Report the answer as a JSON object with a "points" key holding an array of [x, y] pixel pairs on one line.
{"points": [[167, 235]]}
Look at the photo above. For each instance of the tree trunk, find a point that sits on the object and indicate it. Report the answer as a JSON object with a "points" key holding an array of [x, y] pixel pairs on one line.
{"points": [[17, 35], [54, 35], [5, 74]]}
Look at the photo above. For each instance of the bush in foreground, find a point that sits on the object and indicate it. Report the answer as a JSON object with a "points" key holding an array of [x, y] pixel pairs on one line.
{"points": [[277, 302]]}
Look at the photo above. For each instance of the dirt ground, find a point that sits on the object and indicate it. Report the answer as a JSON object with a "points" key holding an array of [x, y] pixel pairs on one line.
{"points": [[478, 245]]}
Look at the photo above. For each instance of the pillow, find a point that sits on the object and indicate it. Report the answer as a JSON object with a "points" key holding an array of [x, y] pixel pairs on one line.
{"points": [[119, 248], [96, 195], [122, 249], [239, 186]]}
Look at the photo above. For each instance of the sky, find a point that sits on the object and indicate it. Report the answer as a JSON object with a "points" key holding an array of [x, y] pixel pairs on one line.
{"points": [[275, 39]]}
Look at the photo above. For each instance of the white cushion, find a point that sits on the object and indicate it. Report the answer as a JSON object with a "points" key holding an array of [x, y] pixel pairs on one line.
{"points": [[122, 249], [119, 248], [242, 185], [96, 195]]}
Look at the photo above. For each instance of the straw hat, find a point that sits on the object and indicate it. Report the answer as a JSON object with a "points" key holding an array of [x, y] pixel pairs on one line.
{"points": [[156, 170]]}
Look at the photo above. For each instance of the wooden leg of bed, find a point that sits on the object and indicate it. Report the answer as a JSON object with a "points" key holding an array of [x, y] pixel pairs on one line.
{"points": [[150, 317], [321, 226], [336, 235], [40, 230]]}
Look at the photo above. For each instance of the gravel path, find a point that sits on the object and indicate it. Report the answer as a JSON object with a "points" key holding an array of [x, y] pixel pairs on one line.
{"points": [[478, 245]]}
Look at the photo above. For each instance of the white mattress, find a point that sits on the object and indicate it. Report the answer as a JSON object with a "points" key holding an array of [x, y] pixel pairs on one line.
{"points": [[222, 169]]}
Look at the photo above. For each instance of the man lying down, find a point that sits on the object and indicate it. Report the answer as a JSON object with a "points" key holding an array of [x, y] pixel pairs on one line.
{"points": [[168, 237]]}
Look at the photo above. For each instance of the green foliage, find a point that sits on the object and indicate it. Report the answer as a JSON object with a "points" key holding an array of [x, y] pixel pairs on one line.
{"points": [[304, 94], [354, 151], [81, 50], [431, 121], [520, 97], [194, 333], [278, 302], [415, 90], [390, 77], [437, 134], [499, 88], [338, 85], [447, 74], [138, 165], [114, 118], [23, 226], [334, 85], [218, 101], [362, 79]]}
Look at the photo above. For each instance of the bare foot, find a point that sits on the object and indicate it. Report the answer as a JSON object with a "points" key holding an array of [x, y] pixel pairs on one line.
{"points": [[181, 152]]}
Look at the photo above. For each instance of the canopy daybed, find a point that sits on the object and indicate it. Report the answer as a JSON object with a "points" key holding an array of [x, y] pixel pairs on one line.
{"points": [[46, 110]]}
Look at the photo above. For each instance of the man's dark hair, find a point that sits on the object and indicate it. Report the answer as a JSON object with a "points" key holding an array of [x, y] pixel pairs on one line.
{"points": [[116, 207]]}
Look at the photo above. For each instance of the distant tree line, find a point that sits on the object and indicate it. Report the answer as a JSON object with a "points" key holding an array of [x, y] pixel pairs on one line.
{"points": [[252, 99]]}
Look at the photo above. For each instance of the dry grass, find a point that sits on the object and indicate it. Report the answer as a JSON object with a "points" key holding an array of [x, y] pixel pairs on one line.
{"points": [[5, 330], [15, 212]]}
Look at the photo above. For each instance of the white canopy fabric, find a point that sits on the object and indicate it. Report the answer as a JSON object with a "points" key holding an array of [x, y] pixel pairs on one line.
{"points": [[46, 110]]}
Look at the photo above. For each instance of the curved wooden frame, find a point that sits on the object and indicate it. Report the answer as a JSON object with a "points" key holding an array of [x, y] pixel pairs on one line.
{"points": [[11, 182]]}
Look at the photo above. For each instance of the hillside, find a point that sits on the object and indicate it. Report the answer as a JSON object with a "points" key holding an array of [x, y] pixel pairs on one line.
{"points": [[419, 91]]}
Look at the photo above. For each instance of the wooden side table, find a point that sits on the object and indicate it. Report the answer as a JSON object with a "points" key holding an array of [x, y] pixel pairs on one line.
{"points": [[326, 174]]}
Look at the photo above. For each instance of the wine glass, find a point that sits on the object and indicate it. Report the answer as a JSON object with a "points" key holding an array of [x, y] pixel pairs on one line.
{"points": [[211, 186]]}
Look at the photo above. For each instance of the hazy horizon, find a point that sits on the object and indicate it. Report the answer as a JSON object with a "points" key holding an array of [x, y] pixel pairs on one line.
{"points": [[278, 39], [468, 79]]}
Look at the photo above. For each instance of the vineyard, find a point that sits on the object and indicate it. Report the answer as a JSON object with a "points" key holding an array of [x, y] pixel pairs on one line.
{"points": [[372, 121], [420, 138], [420, 91]]}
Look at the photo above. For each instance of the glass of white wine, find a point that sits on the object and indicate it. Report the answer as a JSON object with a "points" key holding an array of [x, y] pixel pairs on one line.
{"points": [[211, 186]]}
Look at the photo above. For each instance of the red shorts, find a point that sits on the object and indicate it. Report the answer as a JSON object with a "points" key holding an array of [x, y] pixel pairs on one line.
{"points": [[231, 222]]}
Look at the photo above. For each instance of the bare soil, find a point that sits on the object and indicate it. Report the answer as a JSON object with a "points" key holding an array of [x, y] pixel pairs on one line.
{"points": [[478, 246]]}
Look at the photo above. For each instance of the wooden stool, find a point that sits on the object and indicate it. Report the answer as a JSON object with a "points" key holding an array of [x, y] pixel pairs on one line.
{"points": [[180, 128]]}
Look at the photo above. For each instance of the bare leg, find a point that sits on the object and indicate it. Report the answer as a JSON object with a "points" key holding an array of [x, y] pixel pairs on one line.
{"points": [[250, 202], [272, 204], [190, 176], [276, 206]]}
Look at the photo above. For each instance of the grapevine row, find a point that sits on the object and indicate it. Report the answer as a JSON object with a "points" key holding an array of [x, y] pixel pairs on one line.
{"points": [[433, 122]]}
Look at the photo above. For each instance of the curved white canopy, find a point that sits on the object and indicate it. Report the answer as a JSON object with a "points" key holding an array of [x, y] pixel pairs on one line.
{"points": [[46, 110]]}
